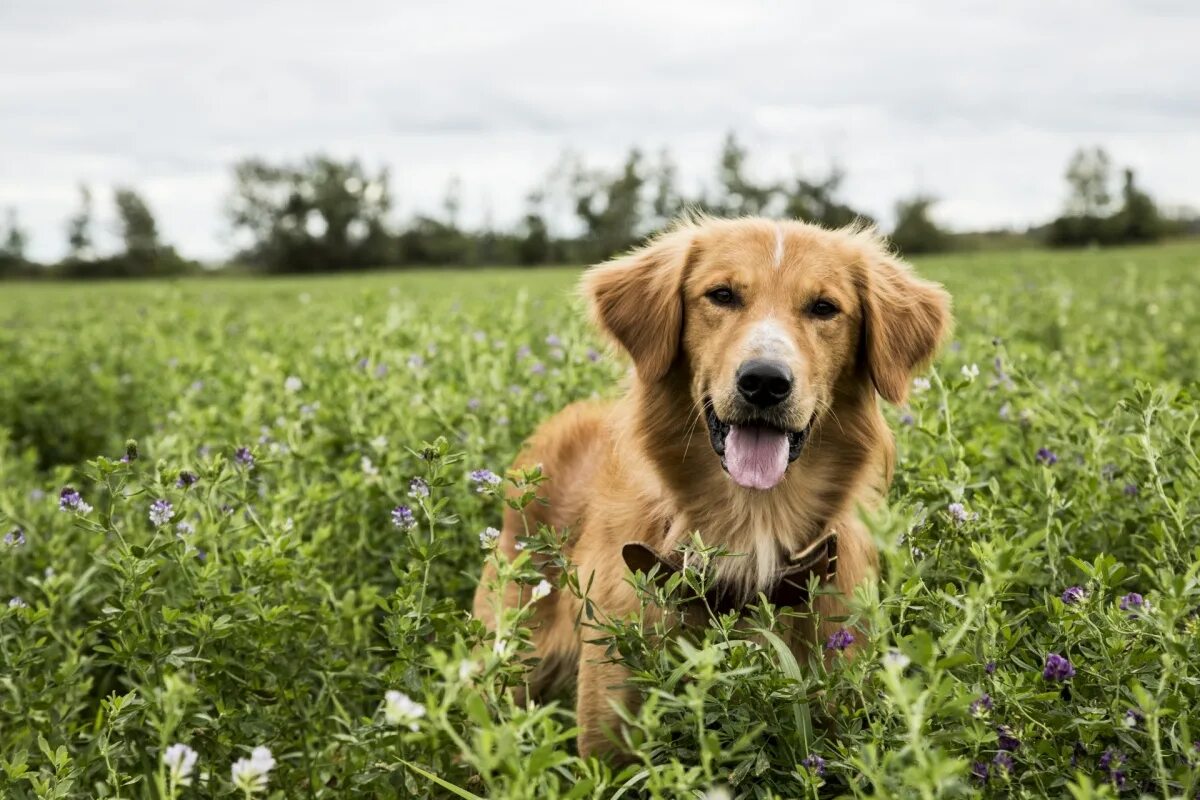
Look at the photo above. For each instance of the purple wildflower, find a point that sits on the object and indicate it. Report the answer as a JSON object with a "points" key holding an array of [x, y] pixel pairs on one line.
{"points": [[15, 537], [1131, 490], [553, 341], [981, 705], [483, 478], [1006, 739], [538, 368], [186, 480], [814, 764], [1004, 761], [958, 512], [1073, 594], [381, 369], [417, 487], [17, 602], [980, 771], [1134, 718], [160, 512], [363, 363], [989, 667], [839, 639], [474, 404], [1132, 601], [907, 419], [593, 355], [1111, 759], [479, 336], [415, 361], [1057, 668], [244, 457], [402, 518], [70, 500], [1047, 456], [1111, 762], [523, 352]]}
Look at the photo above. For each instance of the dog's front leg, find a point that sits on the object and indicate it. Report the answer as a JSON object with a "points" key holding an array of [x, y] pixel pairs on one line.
{"points": [[858, 562], [603, 684]]}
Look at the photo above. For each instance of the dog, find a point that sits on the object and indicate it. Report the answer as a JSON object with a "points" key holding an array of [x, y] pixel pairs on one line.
{"points": [[751, 415]]}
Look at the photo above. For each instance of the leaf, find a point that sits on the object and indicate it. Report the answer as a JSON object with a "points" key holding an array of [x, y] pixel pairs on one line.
{"points": [[450, 787]]}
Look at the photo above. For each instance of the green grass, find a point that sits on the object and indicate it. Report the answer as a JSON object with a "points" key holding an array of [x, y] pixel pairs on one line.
{"points": [[289, 603]]}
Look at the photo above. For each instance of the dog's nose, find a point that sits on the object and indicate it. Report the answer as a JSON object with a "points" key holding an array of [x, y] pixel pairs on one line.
{"points": [[763, 383]]}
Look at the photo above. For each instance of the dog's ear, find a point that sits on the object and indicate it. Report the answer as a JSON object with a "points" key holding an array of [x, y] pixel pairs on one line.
{"points": [[637, 299], [905, 320]]}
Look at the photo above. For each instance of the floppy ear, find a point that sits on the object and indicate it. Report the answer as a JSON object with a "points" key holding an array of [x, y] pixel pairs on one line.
{"points": [[905, 319], [637, 299]]}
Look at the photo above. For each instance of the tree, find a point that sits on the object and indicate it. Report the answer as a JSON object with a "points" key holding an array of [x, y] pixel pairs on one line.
{"points": [[136, 226], [80, 243], [915, 231], [14, 240], [610, 205], [1088, 178], [815, 201], [1138, 220], [319, 215], [533, 234], [1089, 220], [739, 196]]}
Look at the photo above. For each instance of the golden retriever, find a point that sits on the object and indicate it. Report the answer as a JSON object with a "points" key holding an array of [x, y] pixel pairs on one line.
{"points": [[750, 417]]}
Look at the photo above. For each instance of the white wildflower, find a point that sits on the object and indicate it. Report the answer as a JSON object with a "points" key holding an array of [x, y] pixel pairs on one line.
{"points": [[921, 385], [894, 659], [970, 371], [293, 384], [180, 760], [466, 668], [368, 467], [488, 538], [541, 590], [250, 774], [400, 709]]}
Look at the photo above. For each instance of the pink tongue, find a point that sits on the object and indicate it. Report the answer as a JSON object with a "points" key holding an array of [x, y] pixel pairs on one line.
{"points": [[756, 457]]}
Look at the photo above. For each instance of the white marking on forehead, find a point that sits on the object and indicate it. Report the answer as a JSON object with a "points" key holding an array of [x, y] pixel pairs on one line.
{"points": [[769, 338], [778, 245]]}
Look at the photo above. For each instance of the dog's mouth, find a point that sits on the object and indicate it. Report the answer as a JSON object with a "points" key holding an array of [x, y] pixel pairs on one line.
{"points": [[754, 452]]}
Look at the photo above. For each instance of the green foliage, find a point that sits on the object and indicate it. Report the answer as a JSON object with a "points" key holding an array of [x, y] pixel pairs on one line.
{"points": [[1090, 218], [271, 601], [915, 231], [319, 215]]}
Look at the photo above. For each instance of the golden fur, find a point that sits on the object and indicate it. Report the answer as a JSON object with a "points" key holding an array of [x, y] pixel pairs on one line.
{"points": [[642, 467]]}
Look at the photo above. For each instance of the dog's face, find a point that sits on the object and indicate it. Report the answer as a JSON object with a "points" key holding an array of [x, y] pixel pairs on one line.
{"points": [[770, 321]]}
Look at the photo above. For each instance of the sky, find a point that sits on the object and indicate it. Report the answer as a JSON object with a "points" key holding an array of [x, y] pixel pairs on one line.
{"points": [[980, 104]]}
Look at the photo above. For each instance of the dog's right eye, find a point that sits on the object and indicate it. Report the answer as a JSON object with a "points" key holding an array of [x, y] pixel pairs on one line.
{"points": [[722, 296]]}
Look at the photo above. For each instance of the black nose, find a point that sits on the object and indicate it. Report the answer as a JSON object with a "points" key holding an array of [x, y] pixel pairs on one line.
{"points": [[763, 383]]}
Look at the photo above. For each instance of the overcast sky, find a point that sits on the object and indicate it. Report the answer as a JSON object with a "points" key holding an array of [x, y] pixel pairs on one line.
{"points": [[978, 103]]}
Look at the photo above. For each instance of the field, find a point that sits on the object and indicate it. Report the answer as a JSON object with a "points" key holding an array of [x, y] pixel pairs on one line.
{"points": [[247, 580]]}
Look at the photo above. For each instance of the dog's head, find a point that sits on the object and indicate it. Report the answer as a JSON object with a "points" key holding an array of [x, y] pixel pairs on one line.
{"points": [[770, 323]]}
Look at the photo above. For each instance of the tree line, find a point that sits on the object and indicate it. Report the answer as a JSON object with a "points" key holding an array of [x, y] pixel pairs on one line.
{"points": [[324, 215]]}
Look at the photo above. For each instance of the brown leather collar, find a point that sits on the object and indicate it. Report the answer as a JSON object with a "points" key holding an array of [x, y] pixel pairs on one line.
{"points": [[789, 586]]}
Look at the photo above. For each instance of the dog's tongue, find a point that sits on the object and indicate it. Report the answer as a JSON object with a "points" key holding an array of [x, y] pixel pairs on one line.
{"points": [[756, 457]]}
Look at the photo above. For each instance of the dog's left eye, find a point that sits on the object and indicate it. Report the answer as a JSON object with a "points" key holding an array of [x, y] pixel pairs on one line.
{"points": [[722, 296], [823, 309]]}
